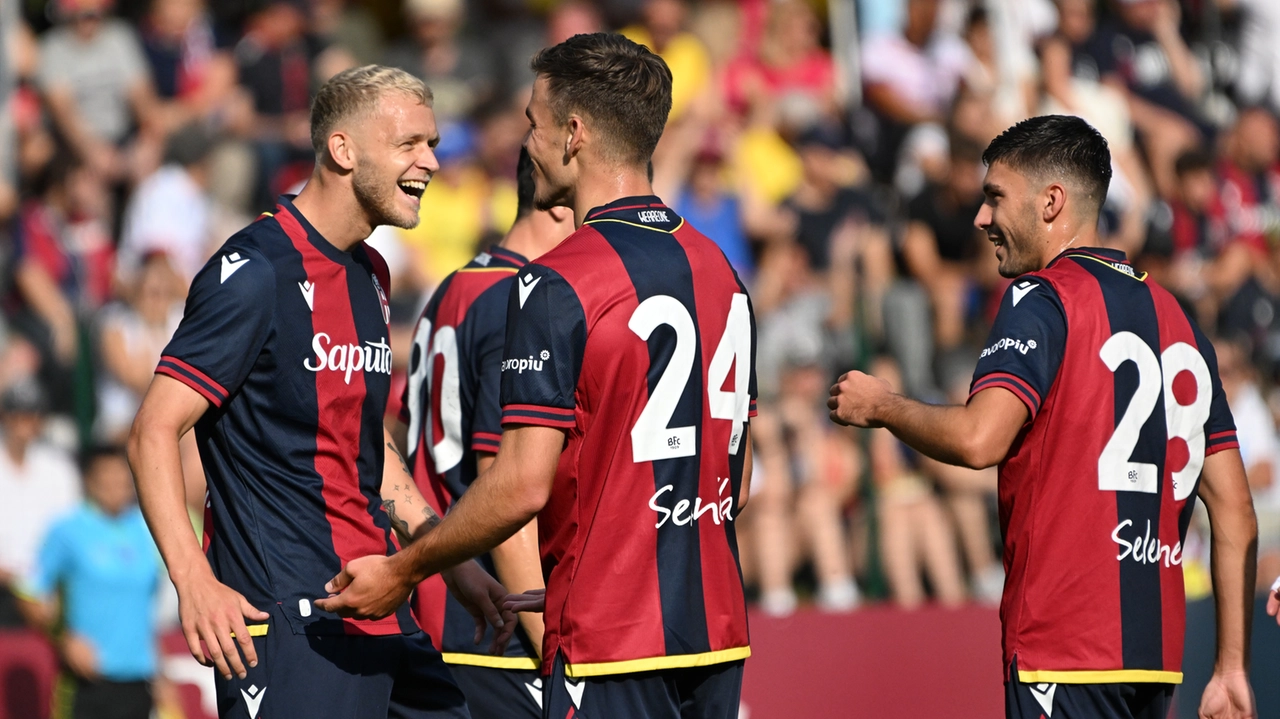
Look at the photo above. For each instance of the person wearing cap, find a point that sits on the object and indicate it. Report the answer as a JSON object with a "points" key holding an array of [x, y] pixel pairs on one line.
{"points": [[38, 482]]}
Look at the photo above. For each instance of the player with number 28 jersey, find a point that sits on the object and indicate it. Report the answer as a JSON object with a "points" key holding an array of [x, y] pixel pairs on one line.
{"points": [[1133, 392], [652, 378]]}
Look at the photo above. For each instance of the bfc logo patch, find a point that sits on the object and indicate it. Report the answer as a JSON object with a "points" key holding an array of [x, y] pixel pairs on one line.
{"points": [[382, 299]]}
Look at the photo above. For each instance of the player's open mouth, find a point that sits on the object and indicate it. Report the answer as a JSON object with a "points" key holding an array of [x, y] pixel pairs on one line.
{"points": [[413, 188]]}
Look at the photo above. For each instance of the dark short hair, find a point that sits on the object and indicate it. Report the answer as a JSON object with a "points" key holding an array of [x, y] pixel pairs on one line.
{"points": [[92, 454], [1057, 145], [524, 184], [620, 85], [1193, 160]]}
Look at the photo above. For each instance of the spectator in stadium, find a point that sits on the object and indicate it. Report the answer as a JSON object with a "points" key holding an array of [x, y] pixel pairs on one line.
{"points": [[1144, 55], [276, 61], [95, 79], [910, 78], [95, 581], [132, 335], [915, 535], [61, 268], [707, 201], [662, 28], [1259, 448], [789, 66], [1259, 79], [1187, 248], [461, 70], [195, 80], [171, 211], [941, 248], [38, 483]]}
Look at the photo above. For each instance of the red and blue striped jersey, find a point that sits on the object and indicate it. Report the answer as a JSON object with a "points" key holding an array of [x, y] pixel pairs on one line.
{"points": [[451, 407], [636, 338], [287, 338], [1097, 491]]}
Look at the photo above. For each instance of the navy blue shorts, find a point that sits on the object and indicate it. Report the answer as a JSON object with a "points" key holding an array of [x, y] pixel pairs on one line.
{"points": [[712, 692], [500, 693], [355, 677], [1087, 701]]}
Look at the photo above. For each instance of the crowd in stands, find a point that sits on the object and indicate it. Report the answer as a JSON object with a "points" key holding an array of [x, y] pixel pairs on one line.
{"points": [[832, 148]]}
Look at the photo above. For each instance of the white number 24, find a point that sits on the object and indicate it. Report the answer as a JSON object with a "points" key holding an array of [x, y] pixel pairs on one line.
{"points": [[1115, 470], [651, 438]]}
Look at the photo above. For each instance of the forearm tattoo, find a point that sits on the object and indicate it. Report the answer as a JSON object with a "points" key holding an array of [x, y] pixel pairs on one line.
{"points": [[401, 527]]}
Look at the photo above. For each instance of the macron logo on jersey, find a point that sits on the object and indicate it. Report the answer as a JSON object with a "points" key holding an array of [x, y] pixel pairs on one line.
{"points": [[231, 263], [1021, 289], [527, 283], [309, 294], [253, 699]]}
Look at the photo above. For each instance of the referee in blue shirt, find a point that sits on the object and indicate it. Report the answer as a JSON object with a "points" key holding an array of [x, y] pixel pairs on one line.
{"points": [[100, 560]]}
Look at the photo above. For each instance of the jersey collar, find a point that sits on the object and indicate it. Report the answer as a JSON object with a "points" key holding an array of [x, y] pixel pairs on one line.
{"points": [[642, 210], [1098, 253], [503, 253], [317, 240]]}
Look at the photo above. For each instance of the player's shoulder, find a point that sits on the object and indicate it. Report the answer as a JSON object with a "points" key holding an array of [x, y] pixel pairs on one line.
{"points": [[246, 261]]}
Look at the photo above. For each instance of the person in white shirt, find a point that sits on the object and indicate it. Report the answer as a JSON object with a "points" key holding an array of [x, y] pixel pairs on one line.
{"points": [[38, 483]]}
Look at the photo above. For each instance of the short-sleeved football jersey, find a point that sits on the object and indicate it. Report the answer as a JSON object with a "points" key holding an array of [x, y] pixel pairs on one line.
{"points": [[451, 407], [1098, 488], [287, 338], [635, 336]]}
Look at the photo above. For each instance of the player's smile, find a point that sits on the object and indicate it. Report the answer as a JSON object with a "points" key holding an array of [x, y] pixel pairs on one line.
{"points": [[414, 189]]}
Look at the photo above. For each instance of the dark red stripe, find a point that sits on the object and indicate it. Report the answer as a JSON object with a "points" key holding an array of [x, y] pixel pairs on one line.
{"points": [[1227, 433], [196, 373], [479, 445], [487, 436], [1014, 388], [1215, 448], [620, 209], [193, 384], [338, 422], [541, 420]]}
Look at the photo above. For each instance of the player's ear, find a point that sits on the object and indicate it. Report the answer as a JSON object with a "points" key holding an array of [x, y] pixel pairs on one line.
{"points": [[342, 150], [1052, 201], [560, 213], [577, 135]]}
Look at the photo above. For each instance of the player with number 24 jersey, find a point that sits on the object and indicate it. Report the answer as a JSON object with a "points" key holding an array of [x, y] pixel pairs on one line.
{"points": [[653, 380]]}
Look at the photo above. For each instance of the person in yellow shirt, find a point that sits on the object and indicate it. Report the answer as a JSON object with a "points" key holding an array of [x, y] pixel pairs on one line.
{"points": [[661, 29]]}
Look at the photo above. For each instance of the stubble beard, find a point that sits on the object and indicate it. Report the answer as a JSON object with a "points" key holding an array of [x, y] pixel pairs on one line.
{"points": [[379, 202]]}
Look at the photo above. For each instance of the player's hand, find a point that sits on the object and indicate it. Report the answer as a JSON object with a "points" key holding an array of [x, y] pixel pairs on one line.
{"points": [[482, 595], [854, 398], [79, 655], [1273, 600], [211, 613], [1228, 696], [367, 588], [534, 600]]}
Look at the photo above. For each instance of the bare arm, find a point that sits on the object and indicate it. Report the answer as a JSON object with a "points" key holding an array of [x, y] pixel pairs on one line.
{"points": [[976, 435], [210, 611], [1233, 552], [519, 565], [411, 515], [44, 296], [1183, 65], [1055, 65]]}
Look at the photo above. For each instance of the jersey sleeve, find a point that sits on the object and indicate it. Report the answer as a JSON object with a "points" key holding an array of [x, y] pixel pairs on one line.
{"points": [[226, 322], [1026, 344], [545, 343], [1220, 429], [489, 312]]}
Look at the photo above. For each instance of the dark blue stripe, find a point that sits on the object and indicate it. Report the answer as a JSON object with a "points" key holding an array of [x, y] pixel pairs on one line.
{"points": [[530, 414], [657, 265], [1131, 308]]}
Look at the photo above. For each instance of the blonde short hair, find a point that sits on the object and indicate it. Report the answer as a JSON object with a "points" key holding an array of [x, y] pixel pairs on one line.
{"points": [[357, 91]]}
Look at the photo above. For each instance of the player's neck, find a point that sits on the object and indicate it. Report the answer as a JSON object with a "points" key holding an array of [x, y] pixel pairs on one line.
{"points": [[1069, 239], [334, 212], [600, 186], [534, 235]]}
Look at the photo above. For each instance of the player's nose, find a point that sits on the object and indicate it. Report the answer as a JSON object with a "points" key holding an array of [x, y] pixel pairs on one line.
{"points": [[427, 160], [983, 219]]}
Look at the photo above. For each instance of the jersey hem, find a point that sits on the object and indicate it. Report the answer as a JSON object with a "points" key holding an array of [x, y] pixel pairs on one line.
{"points": [[483, 660], [1110, 676], [678, 661]]}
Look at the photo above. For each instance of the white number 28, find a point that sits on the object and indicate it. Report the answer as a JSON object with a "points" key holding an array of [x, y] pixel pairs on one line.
{"points": [[1155, 376]]}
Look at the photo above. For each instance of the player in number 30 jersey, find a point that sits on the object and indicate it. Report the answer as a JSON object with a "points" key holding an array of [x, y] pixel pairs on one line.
{"points": [[1100, 400]]}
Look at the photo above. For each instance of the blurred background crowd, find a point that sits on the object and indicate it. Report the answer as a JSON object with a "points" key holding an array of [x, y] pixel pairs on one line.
{"points": [[833, 150]]}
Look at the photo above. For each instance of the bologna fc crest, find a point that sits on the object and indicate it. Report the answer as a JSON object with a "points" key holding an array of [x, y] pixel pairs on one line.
{"points": [[382, 298]]}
